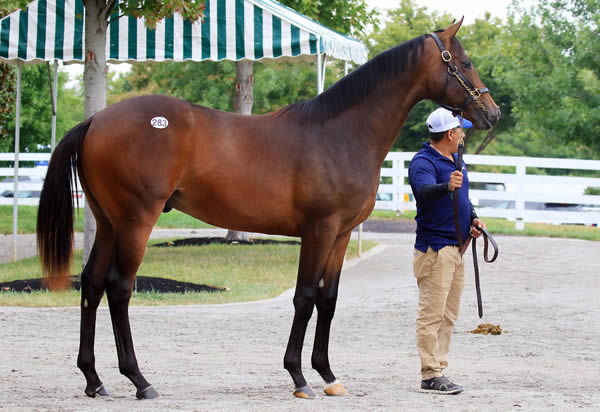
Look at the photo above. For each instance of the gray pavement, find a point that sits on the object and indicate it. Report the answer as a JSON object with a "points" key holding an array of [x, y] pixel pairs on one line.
{"points": [[541, 291]]}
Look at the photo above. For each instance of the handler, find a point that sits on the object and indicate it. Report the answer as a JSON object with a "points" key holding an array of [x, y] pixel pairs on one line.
{"points": [[438, 263]]}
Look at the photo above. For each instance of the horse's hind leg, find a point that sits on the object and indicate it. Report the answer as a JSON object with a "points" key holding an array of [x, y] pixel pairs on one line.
{"points": [[92, 289], [130, 245], [326, 300]]}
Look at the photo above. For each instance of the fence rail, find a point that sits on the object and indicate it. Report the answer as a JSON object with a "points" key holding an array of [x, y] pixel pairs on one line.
{"points": [[518, 195]]}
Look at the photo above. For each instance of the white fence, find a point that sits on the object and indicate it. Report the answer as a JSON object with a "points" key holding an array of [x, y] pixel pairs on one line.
{"points": [[518, 196], [30, 178]]}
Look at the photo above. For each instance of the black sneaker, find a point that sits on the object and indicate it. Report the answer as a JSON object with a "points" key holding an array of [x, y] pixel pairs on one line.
{"points": [[441, 385]]}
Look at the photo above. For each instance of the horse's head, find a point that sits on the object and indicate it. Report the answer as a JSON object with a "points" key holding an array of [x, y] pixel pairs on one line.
{"points": [[453, 81]]}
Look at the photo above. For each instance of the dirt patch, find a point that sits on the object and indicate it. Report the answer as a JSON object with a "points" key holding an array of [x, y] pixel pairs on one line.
{"points": [[204, 241], [144, 284]]}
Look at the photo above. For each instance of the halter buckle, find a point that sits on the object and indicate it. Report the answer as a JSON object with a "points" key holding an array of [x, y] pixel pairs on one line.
{"points": [[446, 56]]}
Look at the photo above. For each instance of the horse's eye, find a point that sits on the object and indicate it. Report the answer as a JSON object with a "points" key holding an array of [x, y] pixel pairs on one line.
{"points": [[467, 65]]}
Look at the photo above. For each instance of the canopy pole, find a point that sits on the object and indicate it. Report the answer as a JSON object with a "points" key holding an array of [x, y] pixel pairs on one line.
{"points": [[319, 86], [53, 92], [16, 163], [323, 69]]}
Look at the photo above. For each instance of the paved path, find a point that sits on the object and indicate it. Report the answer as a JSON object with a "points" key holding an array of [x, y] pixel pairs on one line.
{"points": [[542, 291]]}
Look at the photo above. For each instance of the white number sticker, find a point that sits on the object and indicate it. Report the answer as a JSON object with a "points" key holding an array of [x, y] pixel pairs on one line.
{"points": [[159, 122]]}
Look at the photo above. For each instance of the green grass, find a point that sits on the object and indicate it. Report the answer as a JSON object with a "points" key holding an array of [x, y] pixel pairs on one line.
{"points": [[178, 220], [27, 217], [175, 219], [498, 226], [250, 272]]}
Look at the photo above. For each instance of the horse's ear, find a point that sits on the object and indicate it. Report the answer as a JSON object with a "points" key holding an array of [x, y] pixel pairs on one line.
{"points": [[450, 32]]}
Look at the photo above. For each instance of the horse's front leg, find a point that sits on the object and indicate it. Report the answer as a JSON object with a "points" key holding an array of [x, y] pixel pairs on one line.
{"points": [[313, 257], [326, 300]]}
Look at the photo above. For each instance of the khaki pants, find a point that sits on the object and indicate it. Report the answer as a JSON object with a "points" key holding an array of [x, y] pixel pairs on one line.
{"points": [[440, 277]]}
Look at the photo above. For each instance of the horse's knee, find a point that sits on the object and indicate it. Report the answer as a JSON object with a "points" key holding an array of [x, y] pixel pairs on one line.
{"points": [[118, 287], [91, 294], [304, 304]]}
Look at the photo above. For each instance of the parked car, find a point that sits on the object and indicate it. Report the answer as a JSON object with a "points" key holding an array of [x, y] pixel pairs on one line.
{"points": [[23, 179], [22, 193]]}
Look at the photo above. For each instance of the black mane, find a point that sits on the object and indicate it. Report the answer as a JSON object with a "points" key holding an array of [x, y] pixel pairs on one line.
{"points": [[356, 86]]}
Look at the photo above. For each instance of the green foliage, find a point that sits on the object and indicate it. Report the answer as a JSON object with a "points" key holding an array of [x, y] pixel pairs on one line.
{"points": [[7, 86], [552, 72], [344, 16], [595, 191], [36, 110], [154, 11], [7, 103], [542, 67]]}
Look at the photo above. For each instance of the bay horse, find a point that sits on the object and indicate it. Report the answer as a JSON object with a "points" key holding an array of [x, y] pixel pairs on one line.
{"points": [[309, 170]]}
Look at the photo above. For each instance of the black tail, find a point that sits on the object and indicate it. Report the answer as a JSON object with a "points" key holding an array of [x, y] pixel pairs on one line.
{"points": [[55, 211]]}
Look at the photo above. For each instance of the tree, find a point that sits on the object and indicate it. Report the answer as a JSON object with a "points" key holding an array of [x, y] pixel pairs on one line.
{"points": [[555, 78]]}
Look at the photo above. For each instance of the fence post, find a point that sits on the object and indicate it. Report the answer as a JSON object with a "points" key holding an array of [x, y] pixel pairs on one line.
{"points": [[360, 229], [399, 172], [519, 202]]}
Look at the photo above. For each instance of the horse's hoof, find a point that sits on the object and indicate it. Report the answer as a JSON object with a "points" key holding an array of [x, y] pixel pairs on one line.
{"points": [[335, 389], [305, 392], [100, 391], [147, 393]]}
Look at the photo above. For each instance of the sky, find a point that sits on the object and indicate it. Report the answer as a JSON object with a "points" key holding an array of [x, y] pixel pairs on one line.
{"points": [[471, 9]]}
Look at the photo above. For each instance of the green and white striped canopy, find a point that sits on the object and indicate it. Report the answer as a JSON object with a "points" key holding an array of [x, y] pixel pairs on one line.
{"points": [[231, 30]]}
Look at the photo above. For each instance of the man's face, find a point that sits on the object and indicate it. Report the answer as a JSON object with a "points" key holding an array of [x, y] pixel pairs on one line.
{"points": [[458, 135]]}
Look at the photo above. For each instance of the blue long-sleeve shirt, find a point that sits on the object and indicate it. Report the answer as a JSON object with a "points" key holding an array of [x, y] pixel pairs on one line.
{"points": [[435, 217]]}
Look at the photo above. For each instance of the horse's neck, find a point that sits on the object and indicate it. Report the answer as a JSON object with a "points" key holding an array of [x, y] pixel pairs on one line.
{"points": [[375, 122]]}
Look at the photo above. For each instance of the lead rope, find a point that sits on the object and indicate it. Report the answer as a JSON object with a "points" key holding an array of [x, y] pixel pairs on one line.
{"points": [[486, 237], [462, 245]]}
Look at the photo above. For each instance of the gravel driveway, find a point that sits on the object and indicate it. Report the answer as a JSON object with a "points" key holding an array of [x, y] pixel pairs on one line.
{"points": [[543, 292]]}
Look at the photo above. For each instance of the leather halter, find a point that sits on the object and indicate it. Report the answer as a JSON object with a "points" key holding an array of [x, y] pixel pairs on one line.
{"points": [[474, 93]]}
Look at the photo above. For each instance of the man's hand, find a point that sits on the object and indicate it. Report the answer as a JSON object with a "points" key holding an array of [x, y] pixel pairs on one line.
{"points": [[474, 224], [456, 179]]}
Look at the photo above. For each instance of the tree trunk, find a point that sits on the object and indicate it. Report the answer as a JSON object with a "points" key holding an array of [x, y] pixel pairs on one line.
{"points": [[94, 81], [242, 103]]}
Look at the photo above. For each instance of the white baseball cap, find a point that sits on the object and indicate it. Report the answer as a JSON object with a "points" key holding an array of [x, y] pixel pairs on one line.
{"points": [[441, 120]]}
